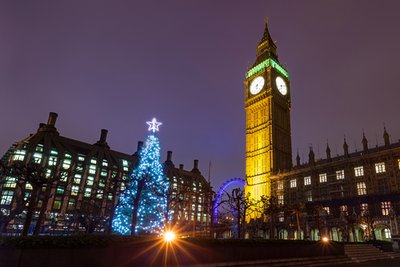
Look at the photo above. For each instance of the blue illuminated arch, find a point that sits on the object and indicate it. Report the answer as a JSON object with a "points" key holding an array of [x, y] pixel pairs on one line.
{"points": [[233, 181]]}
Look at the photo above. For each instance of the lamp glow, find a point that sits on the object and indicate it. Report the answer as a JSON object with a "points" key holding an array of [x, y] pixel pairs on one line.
{"points": [[169, 236], [325, 239]]}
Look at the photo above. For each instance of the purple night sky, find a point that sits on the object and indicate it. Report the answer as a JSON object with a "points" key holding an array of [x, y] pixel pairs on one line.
{"points": [[116, 64]]}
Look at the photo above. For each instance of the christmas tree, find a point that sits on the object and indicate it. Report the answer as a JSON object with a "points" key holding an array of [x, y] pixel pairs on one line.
{"points": [[142, 207]]}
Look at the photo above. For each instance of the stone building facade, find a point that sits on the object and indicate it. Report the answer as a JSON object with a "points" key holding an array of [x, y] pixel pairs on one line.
{"points": [[77, 184], [351, 197]]}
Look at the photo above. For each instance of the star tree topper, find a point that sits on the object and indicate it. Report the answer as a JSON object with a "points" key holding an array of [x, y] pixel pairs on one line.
{"points": [[153, 125]]}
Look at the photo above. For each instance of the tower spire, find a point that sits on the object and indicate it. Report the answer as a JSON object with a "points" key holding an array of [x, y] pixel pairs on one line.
{"points": [[266, 47], [386, 136], [298, 159], [328, 150], [364, 141], [345, 148], [311, 156]]}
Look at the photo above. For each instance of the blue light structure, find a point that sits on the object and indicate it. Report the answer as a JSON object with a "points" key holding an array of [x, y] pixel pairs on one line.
{"points": [[237, 181], [142, 206]]}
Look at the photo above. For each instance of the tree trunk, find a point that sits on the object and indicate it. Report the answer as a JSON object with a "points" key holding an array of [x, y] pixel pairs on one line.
{"points": [[136, 205], [43, 209], [298, 226], [112, 212], [31, 210], [239, 222], [272, 231]]}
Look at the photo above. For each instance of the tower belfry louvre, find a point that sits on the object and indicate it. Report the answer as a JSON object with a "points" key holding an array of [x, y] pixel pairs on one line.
{"points": [[267, 107]]}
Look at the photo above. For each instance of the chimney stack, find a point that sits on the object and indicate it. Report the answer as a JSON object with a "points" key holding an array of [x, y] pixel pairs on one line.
{"points": [[169, 162], [181, 167], [103, 136], [196, 166], [52, 119]]}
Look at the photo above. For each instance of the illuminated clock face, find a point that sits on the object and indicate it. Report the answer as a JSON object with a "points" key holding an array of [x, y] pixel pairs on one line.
{"points": [[281, 85], [256, 85]]}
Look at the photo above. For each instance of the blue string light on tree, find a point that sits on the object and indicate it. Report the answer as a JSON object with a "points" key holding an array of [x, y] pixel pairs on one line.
{"points": [[142, 206]]}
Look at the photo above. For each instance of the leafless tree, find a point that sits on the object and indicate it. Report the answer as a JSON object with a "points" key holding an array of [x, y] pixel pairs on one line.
{"points": [[271, 210], [241, 206]]}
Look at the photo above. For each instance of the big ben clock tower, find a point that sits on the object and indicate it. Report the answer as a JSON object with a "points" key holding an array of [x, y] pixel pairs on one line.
{"points": [[267, 105]]}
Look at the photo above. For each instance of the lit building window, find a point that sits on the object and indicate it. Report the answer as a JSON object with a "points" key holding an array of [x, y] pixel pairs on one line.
{"points": [[340, 175], [359, 171], [361, 188], [74, 190], [10, 182], [90, 180], [88, 191], [380, 167], [64, 176], [57, 204], [398, 163], [280, 185], [293, 183], [327, 210], [52, 160], [387, 233], [364, 208], [81, 158], [99, 193], [307, 180], [93, 161], [281, 200], [105, 163], [281, 216], [385, 207], [92, 169], [28, 186], [323, 178], [37, 157], [344, 210], [48, 173], [77, 179], [60, 190], [39, 148], [79, 168], [309, 195], [67, 163], [6, 197], [19, 155], [71, 204]]}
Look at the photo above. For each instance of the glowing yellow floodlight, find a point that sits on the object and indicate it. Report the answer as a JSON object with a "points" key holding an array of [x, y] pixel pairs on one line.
{"points": [[169, 236]]}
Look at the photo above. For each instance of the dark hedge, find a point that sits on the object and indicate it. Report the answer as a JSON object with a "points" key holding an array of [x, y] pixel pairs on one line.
{"points": [[96, 241]]}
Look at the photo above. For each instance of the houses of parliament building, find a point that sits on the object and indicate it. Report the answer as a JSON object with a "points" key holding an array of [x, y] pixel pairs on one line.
{"points": [[352, 197], [73, 186]]}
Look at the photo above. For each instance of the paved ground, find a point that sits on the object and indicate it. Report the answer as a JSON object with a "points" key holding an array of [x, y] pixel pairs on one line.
{"points": [[378, 263]]}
